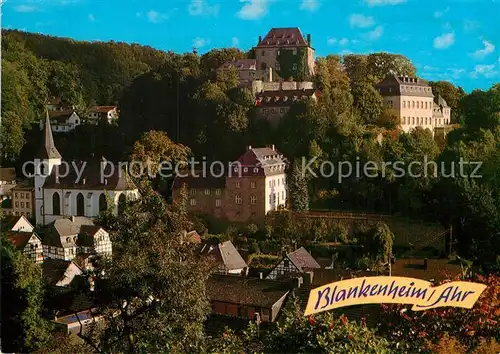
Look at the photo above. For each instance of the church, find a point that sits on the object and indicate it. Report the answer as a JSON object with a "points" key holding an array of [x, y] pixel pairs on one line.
{"points": [[61, 194]]}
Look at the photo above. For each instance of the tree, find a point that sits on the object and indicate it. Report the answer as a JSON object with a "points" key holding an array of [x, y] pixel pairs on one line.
{"points": [[153, 290], [480, 109], [451, 94], [368, 101], [382, 64], [297, 188], [23, 328]]}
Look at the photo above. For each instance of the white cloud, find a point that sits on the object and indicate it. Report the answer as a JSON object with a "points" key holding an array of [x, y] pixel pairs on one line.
{"points": [[343, 42], [253, 9], [156, 17], [200, 42], [25, 8], [346, 52], [444, 41], [235, 41], [441, 13], [488, 71], [375, 34], [91, 18], [384, 2], [430, 68], [361, 21], [470, 26], [331, 41], [309, 5], [200, 7], [481, 53]]}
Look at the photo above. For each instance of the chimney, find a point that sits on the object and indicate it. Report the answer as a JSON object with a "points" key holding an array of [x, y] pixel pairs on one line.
{"points": [[249, 147], [308, 278], [299, 281], [272, 147], [270, 74], [260, 39], [72, 218], [261, 275], [309, 40]]}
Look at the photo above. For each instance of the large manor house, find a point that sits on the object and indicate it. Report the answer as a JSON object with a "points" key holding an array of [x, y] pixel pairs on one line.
{"points": [[410, 98]]}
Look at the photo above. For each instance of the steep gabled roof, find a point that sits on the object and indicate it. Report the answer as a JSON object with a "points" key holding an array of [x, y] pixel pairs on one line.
{"points": [[224, 253], [54, 269], [283, 37], [19, 239], [48, 149], [7, 174], [302, 259]]}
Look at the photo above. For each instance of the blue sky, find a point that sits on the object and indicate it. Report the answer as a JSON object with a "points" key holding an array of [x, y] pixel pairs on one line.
{"points": [[455, 40]]}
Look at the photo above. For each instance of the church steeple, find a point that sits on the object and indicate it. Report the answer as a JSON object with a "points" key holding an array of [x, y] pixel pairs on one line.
{"points": [[48, 149]]}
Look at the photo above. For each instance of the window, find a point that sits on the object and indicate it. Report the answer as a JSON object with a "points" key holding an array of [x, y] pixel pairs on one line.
{"points": [[277, 66], [17, 204], [404, 104], [253, 199], [412, 104], [238, 199], [238, 185], [22, 204], [28, 214], [218, 202], [56, 204], [252, 184], [193, 191], [80, 205], [122, 202], [404, 120], [27, 204], [270, 184], [421, 104], [217, 191], [207, 191], [22, 195], [263, 53], [283, 195], [270, 199], [192, 201], [255, 170], [413, 120], [103, 204], [278, 182], [16, 195], [245, 169]]}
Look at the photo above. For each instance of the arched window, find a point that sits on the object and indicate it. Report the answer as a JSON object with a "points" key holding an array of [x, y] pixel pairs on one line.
{"points": [[263, 66], [80, 205], [56, 204], [122, 201], [103, 203]]}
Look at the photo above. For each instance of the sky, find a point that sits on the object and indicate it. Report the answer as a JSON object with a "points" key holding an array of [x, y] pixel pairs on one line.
{"points": [[454, 40]]}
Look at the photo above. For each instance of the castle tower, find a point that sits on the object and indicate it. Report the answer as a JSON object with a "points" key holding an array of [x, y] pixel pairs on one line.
{"points": [[45, 160]]}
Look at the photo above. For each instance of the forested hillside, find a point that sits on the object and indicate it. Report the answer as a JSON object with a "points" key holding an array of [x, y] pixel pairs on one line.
{"points": [[183, 96]]}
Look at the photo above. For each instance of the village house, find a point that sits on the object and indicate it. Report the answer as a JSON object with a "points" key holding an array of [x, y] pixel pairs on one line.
{"points": [[23, 198], [107, 114], [76, 195], [60, 273], [247, 298], [63, 121], [412, 101], [66, 238], [293, 264], [226, 257], [21, 235], [254, 185], [7, 181], [245, 68]]}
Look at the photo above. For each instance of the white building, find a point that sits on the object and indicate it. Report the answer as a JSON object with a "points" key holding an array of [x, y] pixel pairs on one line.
{"points": [[65, 194], [63, 121], [412, 100], [109, 114]]}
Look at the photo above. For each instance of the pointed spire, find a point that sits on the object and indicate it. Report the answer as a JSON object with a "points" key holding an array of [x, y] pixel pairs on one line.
{"points": [[48, 149]]}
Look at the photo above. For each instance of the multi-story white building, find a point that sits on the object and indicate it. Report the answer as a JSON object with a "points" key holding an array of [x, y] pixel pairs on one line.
{"points": [[412, 100], [84, 190], [107, 114]]}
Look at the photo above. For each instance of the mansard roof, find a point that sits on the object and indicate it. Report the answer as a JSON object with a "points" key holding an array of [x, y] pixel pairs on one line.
{"points": [[394, 85], [48, 149], [284, 37]]}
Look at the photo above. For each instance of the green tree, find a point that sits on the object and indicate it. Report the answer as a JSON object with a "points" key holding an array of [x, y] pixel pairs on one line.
{"points": [[368, 101], [451, 94], [156, 281], [23, 328], [298, 191]]}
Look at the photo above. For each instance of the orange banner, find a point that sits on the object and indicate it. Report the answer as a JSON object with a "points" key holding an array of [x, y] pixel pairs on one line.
{"points": [[393, 290]]}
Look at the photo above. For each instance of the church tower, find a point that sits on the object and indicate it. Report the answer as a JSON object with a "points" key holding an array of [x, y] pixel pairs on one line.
{"points": [[45, 160]]}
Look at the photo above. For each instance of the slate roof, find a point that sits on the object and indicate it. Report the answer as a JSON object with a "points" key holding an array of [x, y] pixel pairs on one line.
{"points": [[303, 260], [224, 253], [265, 159], [7, 174], [64, 232], [48, 149], [9, 221], [25, 185], [192, 181], [19, 239], [90, 178], [61, 116], [87, 234], [441, 102], [54, 269], [236, 289], [283, 37], [240, 64], [392, 86]]}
